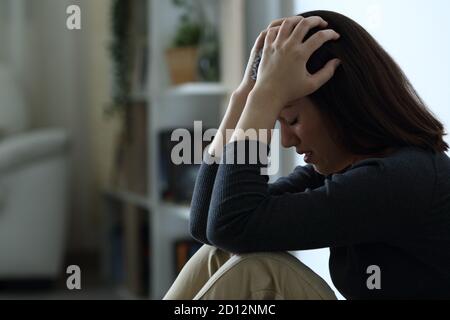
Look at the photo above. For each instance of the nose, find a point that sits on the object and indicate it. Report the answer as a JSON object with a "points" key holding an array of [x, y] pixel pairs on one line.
{"points": [[288, 137]]}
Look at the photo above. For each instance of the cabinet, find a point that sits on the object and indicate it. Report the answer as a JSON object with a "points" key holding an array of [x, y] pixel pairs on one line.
{"points": [[171, 107], [178, 107]]}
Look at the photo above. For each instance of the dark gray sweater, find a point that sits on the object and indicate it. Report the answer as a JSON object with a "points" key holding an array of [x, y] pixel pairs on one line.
{"points": [[391, 212]]}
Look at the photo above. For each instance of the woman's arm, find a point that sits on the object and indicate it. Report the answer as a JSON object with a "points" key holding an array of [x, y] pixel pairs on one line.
{"points": [[207, 174], [240, 114], [282, 75], [367, 204], [298, 181], [205, 179], [282, 78], [208, 169], [302, 178]]}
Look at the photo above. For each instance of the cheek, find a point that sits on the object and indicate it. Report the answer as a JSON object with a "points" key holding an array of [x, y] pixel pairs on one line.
{"points": [[284, 135], [301, 132], [309, 136]]}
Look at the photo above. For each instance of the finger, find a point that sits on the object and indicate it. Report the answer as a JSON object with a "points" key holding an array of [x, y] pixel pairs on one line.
{"points": [[271, 36], [318, 39], [276, 23], [279, 22], [286, 29], [303, 27], [259, 43], [325, 74]]}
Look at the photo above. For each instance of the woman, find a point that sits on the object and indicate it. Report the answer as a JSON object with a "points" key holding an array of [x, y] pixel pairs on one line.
{"points": [[376, 189]]}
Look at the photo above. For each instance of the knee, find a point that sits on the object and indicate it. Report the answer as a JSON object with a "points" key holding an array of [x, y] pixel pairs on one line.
{"points": [[276, 264], [279, 274], [263, 265], [209, 259], [212, 253], [206, 252]]}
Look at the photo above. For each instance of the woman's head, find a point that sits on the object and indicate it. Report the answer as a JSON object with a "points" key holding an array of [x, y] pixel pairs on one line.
{"points": [[369, 105], [303, 127]]}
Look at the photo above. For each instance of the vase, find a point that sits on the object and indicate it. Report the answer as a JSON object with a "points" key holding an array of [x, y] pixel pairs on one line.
{"points": [[182, 63]]}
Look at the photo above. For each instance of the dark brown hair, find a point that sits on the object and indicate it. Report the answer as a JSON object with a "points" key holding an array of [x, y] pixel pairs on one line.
{"points": [[369, 103]]}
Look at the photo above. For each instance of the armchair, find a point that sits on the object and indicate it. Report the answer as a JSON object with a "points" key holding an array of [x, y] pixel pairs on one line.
{"points": [[33, 191]]}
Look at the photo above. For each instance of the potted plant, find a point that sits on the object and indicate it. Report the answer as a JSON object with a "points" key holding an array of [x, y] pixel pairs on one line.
{"points": [[129, 162], [182, 56]]}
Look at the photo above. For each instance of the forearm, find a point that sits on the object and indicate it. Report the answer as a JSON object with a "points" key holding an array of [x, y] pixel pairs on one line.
{"points": [[207, 174], [201, 199], [260, 114], [228, 124]]}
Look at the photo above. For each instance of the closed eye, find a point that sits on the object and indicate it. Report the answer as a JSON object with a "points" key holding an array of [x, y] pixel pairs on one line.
{"points": [[294, 122]]}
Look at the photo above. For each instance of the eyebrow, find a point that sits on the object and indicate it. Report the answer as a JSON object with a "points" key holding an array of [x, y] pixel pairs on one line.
{"points": [[287, 107], [281, 119]]}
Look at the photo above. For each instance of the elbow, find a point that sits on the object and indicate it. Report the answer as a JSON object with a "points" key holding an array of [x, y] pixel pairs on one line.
{"points": [[198, 233], [230, 228], [227, 238], [197, 236], [193, 231], [215, 238]]}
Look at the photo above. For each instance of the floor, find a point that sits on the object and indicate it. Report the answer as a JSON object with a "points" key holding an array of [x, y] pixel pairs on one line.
{"points": [[92, 285]]}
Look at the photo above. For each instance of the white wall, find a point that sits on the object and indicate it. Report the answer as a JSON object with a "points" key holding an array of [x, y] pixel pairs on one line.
{"points": [[417, 34], [4, 30], [66, 81], [258, 14]]}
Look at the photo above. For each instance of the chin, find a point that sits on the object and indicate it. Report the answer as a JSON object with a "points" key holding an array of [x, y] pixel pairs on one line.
{"points": [[320, 171], [316, 169]]}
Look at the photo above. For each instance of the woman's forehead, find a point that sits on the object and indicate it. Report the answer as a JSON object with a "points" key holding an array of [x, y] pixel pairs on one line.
{"points": [[303, 105], [295, 106]]}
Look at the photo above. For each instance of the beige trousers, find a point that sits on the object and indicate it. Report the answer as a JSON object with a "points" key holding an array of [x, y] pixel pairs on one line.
{"points": [[212, 274]]}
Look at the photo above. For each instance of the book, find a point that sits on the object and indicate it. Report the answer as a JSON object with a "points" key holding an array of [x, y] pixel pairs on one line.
{"points": [[184, 250]]}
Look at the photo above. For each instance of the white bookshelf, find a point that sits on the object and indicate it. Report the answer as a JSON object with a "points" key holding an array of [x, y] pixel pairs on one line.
{"points": [[181, 211], [198, 89], [129, 197], [178, 107]]}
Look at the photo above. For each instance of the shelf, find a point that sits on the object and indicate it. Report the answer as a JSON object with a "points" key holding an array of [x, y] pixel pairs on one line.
{"points": [[198, 89], [130, 197], [140, 96], [179, 106], [182, 211]]}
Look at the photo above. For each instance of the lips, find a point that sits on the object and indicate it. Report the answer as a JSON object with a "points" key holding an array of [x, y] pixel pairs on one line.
{"points": [[308, 154], [308, 157], [300, 152]]}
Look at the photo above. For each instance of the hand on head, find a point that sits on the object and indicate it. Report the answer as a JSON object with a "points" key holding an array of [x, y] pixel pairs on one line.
{"points": [[284, 54], [282, 70]]}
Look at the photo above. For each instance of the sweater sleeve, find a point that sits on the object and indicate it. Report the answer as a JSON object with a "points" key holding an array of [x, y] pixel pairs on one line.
{"points": [[201, 198], [303, 177], [364, 204]]}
